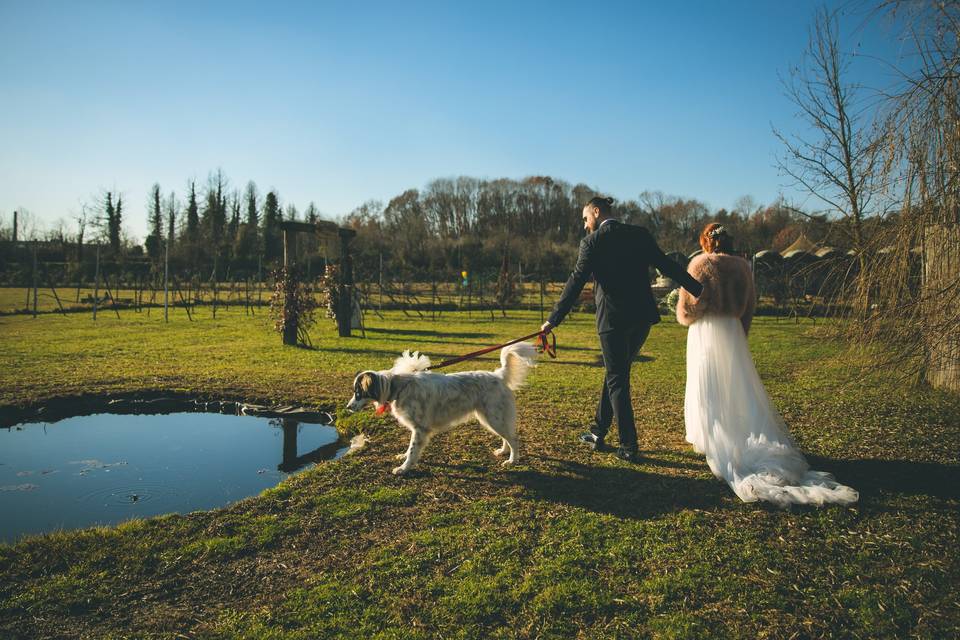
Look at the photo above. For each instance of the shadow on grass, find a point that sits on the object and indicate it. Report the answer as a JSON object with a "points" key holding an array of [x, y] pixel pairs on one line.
{"points": [[621, 491], [871, 477], [430, 332], [638, 493]]}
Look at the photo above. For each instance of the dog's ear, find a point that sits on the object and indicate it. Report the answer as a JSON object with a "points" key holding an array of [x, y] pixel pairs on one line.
{"points": [[370, 384]]}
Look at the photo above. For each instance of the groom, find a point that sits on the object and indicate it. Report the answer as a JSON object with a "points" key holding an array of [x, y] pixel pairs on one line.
{"points": [[618, 256]]}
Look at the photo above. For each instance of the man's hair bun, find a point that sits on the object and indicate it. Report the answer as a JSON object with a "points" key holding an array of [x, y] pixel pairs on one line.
{"points": [[603, 203]]}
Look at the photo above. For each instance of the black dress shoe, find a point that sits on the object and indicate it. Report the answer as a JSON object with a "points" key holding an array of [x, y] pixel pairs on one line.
{"points": [[592, 440], [630, 455]]}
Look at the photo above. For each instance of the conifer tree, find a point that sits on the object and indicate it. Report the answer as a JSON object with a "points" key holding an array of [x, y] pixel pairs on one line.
{"points": [[272, 240], [154, 240], [193, 213]]}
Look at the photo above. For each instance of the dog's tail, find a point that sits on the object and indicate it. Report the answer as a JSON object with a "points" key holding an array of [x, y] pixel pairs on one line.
{"points": [[515, 361], [411, 363]]}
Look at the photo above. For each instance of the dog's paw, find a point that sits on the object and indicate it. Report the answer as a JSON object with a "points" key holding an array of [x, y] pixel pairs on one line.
{"points": [[507, 463], [399, 471]]}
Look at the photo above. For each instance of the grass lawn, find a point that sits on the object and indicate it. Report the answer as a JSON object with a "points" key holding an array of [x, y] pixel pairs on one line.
{"points": [[566, 544]]}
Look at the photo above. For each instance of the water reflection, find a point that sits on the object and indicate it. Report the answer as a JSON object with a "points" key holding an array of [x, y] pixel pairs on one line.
{"points": [[291, 461], [106, 468]]}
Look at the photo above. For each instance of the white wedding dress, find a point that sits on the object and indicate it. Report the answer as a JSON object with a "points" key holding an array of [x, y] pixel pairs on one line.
{"points": [[730, 418]]}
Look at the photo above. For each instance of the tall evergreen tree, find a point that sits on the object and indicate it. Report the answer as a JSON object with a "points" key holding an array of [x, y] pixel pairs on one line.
{"points": [[193, 213], [234, 224], [110, 213], [114, 219], [253, 218], [118, 218], [208, 220], [214, 217], [312, 215], [272, 240], [156, 217], [171, 218], [154, 241], [247, 244]]}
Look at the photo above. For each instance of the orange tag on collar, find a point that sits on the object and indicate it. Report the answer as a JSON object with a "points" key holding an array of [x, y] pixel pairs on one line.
{"points": [[382, 408]]}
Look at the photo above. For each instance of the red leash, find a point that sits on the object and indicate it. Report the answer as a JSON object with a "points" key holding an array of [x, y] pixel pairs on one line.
{"points": [[542, 346]]}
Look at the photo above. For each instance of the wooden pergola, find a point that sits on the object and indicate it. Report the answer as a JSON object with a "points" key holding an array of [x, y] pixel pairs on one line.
{"points": [[342, 236]]}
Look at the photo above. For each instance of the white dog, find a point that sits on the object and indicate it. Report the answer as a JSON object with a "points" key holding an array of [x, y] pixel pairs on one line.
{"points": [[431, 403]]}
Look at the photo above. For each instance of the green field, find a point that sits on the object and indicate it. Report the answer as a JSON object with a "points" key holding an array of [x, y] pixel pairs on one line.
{"points": [[566, 544]]}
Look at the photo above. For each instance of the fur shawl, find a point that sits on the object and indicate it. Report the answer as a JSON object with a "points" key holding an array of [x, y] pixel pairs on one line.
{"points": [[727, 290]]}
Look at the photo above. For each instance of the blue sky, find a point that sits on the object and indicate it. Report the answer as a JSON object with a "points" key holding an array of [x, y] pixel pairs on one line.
{"points": [[338, 103]]}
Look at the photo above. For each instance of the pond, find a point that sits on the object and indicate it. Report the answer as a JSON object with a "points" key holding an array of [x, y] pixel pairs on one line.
{"points": [[107, 468]]}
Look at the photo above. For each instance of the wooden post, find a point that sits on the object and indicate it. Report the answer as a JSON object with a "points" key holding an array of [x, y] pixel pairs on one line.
{"points": [[53, 290], [34, 279], [153, 294], [345, 310], [941, 268], [186, 304], [541, 299], [259, 280], [166, 275], [96, 283], [213, 286]]}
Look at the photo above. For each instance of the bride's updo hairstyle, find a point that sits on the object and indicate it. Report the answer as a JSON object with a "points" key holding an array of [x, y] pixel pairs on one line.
{"points": [[714, 238], [604, 204]]}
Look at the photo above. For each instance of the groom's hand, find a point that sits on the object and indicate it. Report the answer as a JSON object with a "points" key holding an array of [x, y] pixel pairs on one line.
{"points": [[546, 327]]}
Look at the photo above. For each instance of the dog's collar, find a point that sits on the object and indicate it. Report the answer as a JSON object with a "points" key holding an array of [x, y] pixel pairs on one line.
{"points": [[395, 389]]}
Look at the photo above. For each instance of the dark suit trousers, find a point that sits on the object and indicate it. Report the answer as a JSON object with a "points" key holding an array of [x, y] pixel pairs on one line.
{"points": [[619, 348]]}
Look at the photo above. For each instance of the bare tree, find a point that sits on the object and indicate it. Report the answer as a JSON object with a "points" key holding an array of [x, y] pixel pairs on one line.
{"points": [[837, 162], [918, 281], [745, 206]]}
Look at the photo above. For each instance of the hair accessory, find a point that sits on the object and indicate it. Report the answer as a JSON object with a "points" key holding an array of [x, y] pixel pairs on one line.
{"points": [[717, 231]]}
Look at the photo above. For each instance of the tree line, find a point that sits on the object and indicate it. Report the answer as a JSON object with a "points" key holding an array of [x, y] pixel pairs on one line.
{"points": [[528, 226], [533, 226], [212, 229]]}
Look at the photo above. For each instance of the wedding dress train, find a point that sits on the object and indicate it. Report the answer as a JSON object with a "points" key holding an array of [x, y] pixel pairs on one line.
{"points": [[730, 418]]}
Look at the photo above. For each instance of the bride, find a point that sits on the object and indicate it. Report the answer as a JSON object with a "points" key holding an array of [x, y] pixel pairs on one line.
{"points": [[727, 412]]}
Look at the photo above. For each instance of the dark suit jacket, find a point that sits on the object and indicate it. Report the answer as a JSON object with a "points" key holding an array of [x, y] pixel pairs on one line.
{"points": [[618, 256]]}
